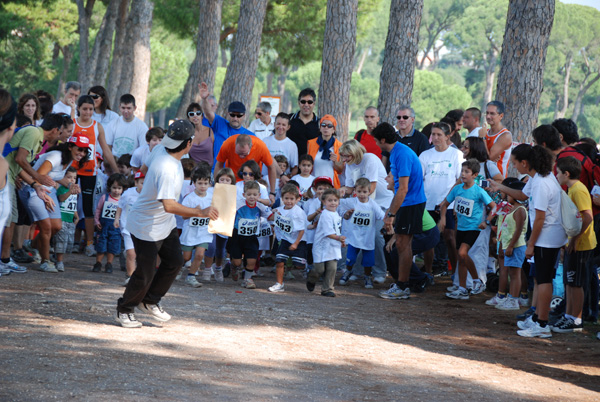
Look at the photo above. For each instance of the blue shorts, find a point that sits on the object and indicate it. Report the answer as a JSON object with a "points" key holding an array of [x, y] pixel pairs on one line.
{"points": [[36, 207], [298, 255], [516, 259], [368, 256]]}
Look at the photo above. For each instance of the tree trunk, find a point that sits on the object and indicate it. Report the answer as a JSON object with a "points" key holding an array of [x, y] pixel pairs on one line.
{"points": [[401, 47], [339, 45], [204, 67], [83, 28], [363, 57], [578, 107], [565, 104], [285, 105], [556, 107], [142, 24], [67, 52], [223, 57], [103, 43], [162, 117], [520, 80], [241, 72], [116, 67], [490, 74]]}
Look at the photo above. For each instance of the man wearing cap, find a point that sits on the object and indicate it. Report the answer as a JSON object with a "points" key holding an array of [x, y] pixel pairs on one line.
{"points": [[153, 229], [222, 128]]}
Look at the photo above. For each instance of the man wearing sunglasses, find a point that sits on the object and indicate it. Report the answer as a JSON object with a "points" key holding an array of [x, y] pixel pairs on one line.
{"points": [[304, 124], [263, 126], [408, 135], [221, 127]]}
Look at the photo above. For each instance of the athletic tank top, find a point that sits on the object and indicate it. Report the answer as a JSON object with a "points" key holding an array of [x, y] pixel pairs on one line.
{"points": [[203, 151], [91, 132], [507, 229], [490, 140]]}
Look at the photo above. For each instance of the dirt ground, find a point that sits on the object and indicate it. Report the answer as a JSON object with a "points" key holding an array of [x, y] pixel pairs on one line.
{"points": [[59, 341]]}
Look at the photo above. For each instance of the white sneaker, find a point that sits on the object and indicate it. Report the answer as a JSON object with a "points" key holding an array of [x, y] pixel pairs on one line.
{"points": [[60, 266], [14, 267], [509, 303], [47, 266], [90, 251], [128, 320], [353, 278], [379, 279], [4, 269], [206, 274], [536, 331], [156, 311], [452, 288], [494, 301], [188, 264], [219, 275], [524, 301], [277, 288], [180, 274], [37, 258], [395, 293], [191, 281], [248, 284], [478, 287], [458, 294], [526, 323]]}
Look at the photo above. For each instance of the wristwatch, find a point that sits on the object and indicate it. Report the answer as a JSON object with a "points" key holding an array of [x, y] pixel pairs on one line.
{"points": [[273, 193], [391, 215]]}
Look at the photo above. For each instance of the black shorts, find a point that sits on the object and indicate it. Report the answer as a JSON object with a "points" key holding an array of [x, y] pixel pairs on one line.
{"points": [[24, 219], [545, 264], [298, 255], [409, 220], [450, 218], [88, 185], [242, 246], [575, 267], [468, 237]]}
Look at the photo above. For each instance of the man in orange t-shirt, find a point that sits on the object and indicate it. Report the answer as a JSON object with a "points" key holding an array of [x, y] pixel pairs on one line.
{"points": [[240, 148]]}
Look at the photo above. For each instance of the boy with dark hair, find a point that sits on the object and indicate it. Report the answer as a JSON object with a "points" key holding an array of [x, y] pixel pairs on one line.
{"points": [[153, 137], [126, 133]]}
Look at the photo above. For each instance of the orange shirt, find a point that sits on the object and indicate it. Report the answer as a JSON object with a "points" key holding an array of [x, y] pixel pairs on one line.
{"points": [[259, 153], [91, 132], [504, 158]]}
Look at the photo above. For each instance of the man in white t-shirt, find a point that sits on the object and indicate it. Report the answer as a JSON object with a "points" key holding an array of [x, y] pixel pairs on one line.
{"points": [[280, 144], [68, 103], [263, 126], [126, 133], [471, 121], [151, 222]]}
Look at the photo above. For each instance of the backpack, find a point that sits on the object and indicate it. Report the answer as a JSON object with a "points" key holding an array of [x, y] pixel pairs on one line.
{"points": [[570, 217], [590, 167]]}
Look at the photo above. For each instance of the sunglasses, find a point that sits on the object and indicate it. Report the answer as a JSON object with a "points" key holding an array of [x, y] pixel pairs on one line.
{"points": [[258, 113], [403, 117], [304, 102], [238, 115], [326, 125], [196, 113], [94, 96], [247, 174]]}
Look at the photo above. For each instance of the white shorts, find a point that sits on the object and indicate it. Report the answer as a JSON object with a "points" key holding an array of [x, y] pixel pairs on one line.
{"points": [[127, 241], [36, 207]]}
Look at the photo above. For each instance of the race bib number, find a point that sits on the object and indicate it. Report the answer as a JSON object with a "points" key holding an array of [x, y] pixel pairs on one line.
{"points": [[199, 222], [266, 230], [109, 210], [464, 206], [284, 224], [362, 218], [248, 227], [70, 204]]}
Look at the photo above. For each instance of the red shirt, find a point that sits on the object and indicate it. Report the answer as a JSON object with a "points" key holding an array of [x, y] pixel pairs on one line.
{"points": [[368, 141]]}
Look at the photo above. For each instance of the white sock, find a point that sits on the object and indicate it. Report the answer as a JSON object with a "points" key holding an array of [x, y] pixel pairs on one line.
{"points": [[248, 274]]}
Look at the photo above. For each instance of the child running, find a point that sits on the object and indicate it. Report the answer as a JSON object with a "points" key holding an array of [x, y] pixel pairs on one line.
{"points": [[195, 234], [290, 224], [470, 209], [67, 196], [109, 238], [313, 208]]}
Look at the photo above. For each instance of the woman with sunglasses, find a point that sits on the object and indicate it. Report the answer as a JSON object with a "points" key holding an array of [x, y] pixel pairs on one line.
{"points": [[325, 150], [204, 139], [102, 112], [250, 171]]}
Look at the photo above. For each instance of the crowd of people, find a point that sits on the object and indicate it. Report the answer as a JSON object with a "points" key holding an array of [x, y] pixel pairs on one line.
{"points": [[77, 177]]}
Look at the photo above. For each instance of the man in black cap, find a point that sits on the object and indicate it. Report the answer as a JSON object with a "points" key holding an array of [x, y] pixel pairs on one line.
{"points": [[151, 222], [223, 128]]}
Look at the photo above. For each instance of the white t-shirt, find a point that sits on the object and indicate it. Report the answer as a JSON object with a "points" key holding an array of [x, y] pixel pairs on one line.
{"points": [[125, 137], [288, 222], [544, 195], [264, 192], [5, 208], [310, 207], [371, 168], [55, 158], [325, 248], [362, 223], [491, 167], [105, 119], [148, 219], [60, 107], [260, 129], [265, 231], [441, 170], [129, 197], [285, 147], [195, 230], [139, 156], [323, 167], [304, 182], [474, 133]]}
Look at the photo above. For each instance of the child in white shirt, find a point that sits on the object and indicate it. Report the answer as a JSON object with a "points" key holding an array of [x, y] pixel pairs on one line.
{"points": [[304, 178]]}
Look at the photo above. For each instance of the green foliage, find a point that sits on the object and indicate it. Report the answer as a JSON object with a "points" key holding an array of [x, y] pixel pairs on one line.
{"points": [[439, 16], [363, 92]]}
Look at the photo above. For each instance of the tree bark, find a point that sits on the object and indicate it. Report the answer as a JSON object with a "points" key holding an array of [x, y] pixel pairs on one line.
{"points": [[103, 44], [142, 24], [520, 80], [339, 45], [578, 106], [241, 72], [401, 47], [83, 28], [67, 52], [363, 58], [565, 98], [116, 67], [490, 74], [204, 67]]}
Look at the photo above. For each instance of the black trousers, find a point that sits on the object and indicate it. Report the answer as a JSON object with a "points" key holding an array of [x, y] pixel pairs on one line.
{"points": [[148, 284]]}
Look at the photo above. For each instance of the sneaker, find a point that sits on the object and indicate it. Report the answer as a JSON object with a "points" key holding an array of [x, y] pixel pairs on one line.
{"points": [[478, 287], [452, 288], [206, 274], [108, 268], [526, 323], [353, 278], [395, 293], [328, 294], [37, 258], [13, 267], [47, 266], [219, 275], [509, 303], [524, 301], [90, 251], [494, 301], [536, 331], [4, 269], [97, 267], [345, 278], [310, 286], [75, 248], [458, 294], [289, 276], [368, 282], [277, 288], [21, 257], [126, 282], [180, 274], [528, 313], [188, 264], [156, 311], [235, 273], [191, 280], [567, 325], [248, 284], [27, 246], [128, 320], [379, 279], [60, 266]]}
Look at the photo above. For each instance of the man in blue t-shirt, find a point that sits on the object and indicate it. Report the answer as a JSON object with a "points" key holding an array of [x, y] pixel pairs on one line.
{"points": [[404, 217], [221, 127]]}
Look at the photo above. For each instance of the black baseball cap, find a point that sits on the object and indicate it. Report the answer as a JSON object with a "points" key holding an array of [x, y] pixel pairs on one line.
{"points": [[178, 131], [236, 107]]}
